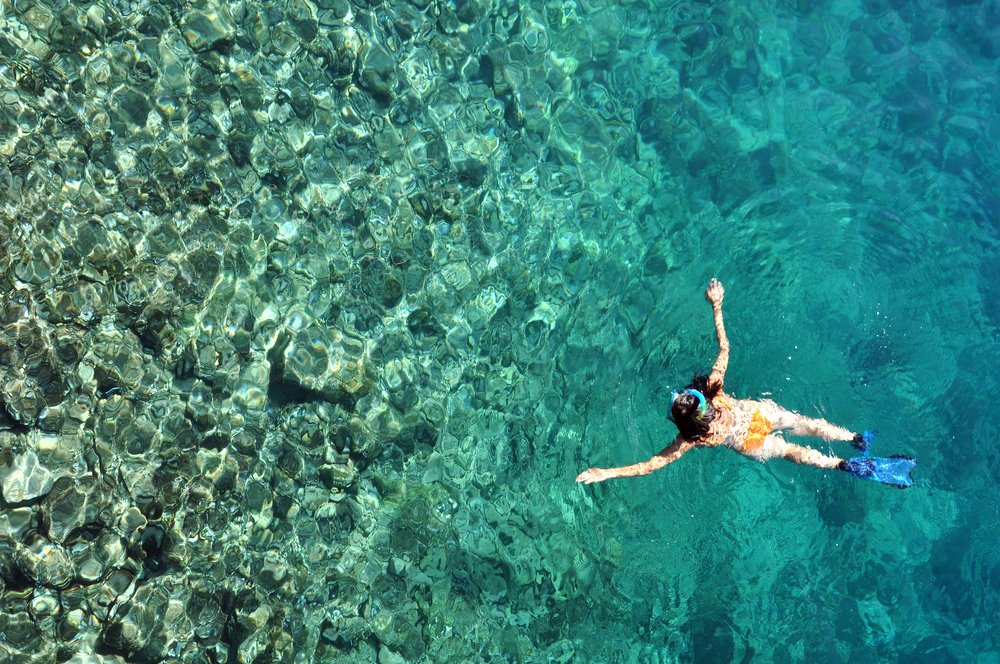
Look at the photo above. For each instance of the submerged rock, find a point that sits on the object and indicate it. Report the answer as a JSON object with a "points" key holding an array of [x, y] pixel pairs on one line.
{"points": [[86, 658], [44, 562], [205, 26], [25, 479], [74, 503], [327, 362]]}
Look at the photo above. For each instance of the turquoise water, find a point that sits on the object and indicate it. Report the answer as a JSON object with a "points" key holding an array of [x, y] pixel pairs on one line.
{"points": [[313, 311]]}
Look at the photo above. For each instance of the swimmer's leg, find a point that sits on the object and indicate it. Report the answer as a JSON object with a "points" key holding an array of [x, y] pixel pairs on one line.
{"points": [[800, 425], [776, 446], [894, 471], [817, 428]]}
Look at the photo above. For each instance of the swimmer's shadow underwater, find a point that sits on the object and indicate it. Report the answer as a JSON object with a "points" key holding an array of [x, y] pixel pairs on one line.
{"points": [[708, 417]]}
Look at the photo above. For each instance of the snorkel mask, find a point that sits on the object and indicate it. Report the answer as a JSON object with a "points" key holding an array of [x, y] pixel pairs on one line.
{"points": [[702, 408]]}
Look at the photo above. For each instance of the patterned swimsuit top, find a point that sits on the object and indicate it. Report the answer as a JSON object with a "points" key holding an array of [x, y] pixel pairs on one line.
{"points": [[748, 429]]}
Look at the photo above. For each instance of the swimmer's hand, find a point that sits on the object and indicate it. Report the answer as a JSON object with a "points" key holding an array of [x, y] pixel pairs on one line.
{"points": [[592, 475], [715, 292]]}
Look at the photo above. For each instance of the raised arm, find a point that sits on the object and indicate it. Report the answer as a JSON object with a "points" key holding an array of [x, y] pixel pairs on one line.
{"points": [[668, 454], [714, 294]]}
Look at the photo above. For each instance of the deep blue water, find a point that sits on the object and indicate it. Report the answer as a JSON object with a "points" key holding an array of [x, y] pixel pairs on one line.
{"points": [[835, 166]]}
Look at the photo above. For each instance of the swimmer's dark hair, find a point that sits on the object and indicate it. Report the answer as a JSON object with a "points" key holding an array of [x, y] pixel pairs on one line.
{"points": [[684, 410]]}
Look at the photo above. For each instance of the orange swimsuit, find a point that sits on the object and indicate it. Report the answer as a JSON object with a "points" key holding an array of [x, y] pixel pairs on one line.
{"points": [[758, 428]]}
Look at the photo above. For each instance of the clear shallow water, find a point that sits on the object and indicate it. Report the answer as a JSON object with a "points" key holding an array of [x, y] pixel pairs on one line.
{"points": [[510, 214]]}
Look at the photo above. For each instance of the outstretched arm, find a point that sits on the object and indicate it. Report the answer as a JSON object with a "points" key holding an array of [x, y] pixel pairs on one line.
{"points": [[668, 454], [714, 294]]}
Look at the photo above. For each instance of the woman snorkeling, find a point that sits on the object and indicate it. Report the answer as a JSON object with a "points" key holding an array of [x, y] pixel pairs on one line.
{"points": [[708, 417]]}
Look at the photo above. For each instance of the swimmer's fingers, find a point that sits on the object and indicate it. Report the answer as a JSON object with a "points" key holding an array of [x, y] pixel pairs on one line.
{"points": [[715, 292], [592, 475]]}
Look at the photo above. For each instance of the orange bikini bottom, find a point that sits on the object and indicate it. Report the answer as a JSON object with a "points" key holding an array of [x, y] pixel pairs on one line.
{"points": [[759, 428]]}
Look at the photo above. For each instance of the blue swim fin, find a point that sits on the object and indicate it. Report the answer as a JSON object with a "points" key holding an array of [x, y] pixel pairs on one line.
{"points": [[894, 471]]}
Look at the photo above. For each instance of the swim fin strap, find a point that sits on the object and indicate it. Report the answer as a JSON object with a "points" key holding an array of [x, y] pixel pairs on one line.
{"points": [[894, 471]]}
